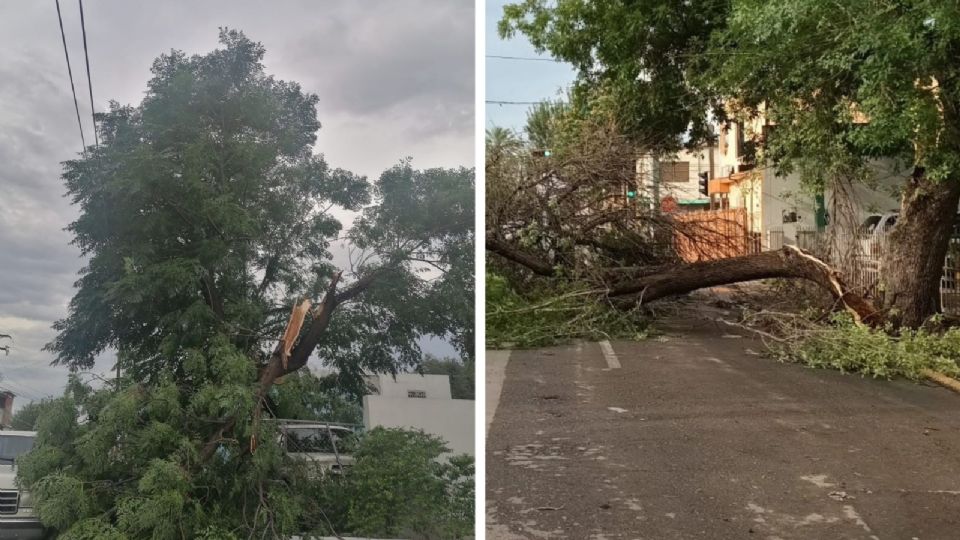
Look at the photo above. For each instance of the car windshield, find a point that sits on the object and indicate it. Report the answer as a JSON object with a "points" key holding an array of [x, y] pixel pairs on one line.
{"points": [[316, 440], [12, 447]]}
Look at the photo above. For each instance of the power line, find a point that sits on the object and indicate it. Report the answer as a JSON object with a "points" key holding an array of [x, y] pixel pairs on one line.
{"points": [[73, 89], [5, 378], [86, 56], [27, 395], [499, 102], [524, 58]]}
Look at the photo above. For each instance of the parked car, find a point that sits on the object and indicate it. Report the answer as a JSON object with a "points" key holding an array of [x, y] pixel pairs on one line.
{"points": [[877, 224], [17, 518], [327, 446]]}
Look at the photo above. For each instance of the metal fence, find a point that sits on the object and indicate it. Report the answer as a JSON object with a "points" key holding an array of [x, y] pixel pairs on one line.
{"points": [[859, 259]]}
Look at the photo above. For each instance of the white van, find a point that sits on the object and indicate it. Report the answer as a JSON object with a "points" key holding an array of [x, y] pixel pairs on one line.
{"points": [[17, 519], [326, 446]]}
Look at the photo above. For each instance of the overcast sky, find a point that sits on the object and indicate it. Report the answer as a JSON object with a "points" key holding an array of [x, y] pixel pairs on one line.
{"points": [[395, 78], [518, 80]]}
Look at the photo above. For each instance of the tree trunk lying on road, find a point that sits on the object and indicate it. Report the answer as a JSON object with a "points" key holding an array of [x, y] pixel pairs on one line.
{"points": [[788, 262]]}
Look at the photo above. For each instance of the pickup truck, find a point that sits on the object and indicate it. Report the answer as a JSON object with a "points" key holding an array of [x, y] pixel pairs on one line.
{"points": [[17, 519]]}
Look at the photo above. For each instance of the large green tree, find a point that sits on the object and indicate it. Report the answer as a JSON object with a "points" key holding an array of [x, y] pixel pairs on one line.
{"points": [[206, 217], [816, 68], [461, 374]]}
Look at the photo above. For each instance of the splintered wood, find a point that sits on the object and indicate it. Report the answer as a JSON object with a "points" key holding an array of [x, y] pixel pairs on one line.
{"points": [[293, 329]]}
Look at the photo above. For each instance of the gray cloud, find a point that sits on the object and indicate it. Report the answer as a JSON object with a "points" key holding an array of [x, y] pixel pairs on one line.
{"points": [[395, 79]]}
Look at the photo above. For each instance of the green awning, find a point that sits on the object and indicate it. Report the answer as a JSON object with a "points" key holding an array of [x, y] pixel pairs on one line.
{"points": [[693, 201]]}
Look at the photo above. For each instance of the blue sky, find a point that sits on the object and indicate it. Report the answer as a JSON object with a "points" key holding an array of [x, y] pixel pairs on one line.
{"points": [[516, 80]]}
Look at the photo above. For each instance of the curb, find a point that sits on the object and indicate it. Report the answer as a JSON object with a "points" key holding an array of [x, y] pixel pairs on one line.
{"points": [[941, 379]]}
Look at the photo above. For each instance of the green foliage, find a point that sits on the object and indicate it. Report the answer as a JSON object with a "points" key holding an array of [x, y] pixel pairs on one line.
{"points": [[882, 57], [544, 123], [545, 316], [303, 396], [403, 483], [400, 486], [643, 54], [667, 64], [462, 376], [877, 352], [205, 214], [25, 419]]}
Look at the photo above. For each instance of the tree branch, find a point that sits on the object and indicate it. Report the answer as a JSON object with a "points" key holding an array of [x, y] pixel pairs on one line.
{"points": [[531, 262]]}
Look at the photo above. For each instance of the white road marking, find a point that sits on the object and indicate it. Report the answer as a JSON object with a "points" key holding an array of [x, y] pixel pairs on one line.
{"points": [[819, 480], [611, 357], [496, 371], [851, 513]]}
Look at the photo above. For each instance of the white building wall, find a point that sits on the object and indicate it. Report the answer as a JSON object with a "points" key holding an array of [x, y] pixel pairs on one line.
{"points": [[433, 386], [783, 195], [780, 197], [451, 419], [436, 413], [699, 160]]}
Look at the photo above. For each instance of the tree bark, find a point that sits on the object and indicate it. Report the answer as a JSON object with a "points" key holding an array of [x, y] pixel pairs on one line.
{"points": [[281, 364], [671, 280], [505, 250], [789, 262], [912, 264]]}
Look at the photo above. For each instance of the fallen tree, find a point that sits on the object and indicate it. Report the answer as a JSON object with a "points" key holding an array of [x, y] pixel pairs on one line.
{"points": [[648, 284], [788, 262], [568, 218], [837, 87]]}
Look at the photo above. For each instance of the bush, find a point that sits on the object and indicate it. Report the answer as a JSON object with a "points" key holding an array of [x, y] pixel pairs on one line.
{"points": [[402, 485]]}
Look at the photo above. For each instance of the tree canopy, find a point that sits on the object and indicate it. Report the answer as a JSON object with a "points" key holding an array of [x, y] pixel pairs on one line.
{"points": [[205, 215], [671, 66], [210, 228], [646, 54]]}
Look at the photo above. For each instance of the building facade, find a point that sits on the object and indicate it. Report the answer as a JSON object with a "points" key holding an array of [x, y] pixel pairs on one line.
{"points": [[423, 402]]}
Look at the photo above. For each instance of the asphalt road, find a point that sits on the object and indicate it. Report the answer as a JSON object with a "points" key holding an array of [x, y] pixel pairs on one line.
{"points": [[696, 436]]}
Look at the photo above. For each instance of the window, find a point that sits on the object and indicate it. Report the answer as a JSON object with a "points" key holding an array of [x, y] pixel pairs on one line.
{"points": [[675, 171], [416, 394], [318, 440], [740, 139], [13, 446]]}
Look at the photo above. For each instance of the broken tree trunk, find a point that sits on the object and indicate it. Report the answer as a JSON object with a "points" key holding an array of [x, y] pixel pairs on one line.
{"points": [[284, 359], [789, 262], [916, 248]]}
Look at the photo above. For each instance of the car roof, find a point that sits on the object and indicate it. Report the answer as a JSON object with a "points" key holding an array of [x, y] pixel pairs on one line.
{"points": [[14, 433]]}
